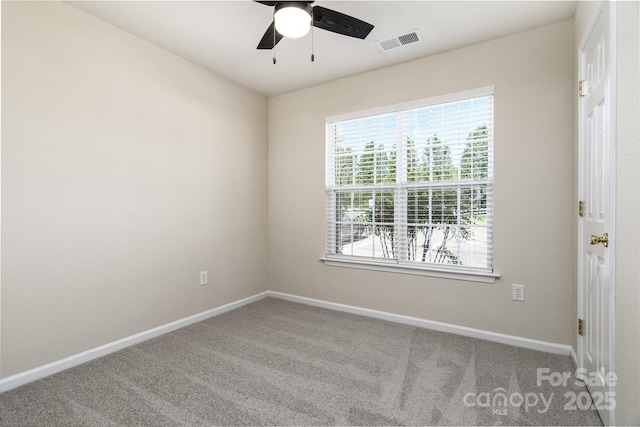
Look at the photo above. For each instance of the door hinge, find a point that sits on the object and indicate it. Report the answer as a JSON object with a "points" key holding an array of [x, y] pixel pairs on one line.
{"points": [[583, 87], [580, 208], [580, 327]]}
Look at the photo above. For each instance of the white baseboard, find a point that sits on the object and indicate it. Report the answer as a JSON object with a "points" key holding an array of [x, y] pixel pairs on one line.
{"points": [[574, 357], [430, 324], [52, 368]]}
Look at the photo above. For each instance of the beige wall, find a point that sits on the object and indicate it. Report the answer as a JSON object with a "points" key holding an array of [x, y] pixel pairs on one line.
{"points": [[627, 220], [126, 170], [533, 238], [627, 230]]}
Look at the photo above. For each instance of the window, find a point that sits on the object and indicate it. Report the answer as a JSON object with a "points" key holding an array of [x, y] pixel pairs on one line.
{"points": [[411, 185]]}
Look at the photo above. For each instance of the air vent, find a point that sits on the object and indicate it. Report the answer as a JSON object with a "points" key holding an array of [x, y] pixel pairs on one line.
{"points": [[400, 40]]}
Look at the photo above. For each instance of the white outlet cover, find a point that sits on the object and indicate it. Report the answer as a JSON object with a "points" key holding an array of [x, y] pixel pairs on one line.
{"points": [[517, 293]]}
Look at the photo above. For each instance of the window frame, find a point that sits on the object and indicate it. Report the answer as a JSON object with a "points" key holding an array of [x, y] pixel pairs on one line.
{"points": [[400, 188]]}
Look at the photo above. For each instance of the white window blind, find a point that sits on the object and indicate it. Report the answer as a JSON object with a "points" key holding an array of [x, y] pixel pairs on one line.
{"points": [[412, 184]]}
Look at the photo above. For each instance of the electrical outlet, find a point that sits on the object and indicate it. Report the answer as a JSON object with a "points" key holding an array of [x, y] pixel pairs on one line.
{"points": [[517, 292], [203, 277]]}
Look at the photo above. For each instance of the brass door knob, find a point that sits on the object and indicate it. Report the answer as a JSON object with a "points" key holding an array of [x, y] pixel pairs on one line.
{"points": [[594, 240]]}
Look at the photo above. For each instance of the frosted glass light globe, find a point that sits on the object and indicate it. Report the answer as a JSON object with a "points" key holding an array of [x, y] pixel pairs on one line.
{"points": [[292, 21]]}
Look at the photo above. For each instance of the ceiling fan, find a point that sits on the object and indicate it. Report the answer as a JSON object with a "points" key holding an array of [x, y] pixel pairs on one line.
{"points": [[294, 19]]}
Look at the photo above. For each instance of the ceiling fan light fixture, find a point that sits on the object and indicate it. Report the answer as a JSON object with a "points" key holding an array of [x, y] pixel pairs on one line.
{"points": [[293, 19]]}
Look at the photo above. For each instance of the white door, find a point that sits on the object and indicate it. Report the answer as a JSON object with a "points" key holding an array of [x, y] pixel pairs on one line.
{"points": [[596, 296]]}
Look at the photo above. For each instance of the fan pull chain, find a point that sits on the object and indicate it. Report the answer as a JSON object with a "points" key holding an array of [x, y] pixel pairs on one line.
{"points": [[313, 57], [274, 38]]}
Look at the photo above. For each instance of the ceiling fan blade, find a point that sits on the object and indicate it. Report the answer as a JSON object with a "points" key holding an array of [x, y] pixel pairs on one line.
{"points": [[267, 41], [340, 23], [268, 3]]}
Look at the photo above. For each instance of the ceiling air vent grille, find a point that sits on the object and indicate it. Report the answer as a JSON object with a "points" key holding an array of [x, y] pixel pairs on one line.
{"points": [[401, 40]]}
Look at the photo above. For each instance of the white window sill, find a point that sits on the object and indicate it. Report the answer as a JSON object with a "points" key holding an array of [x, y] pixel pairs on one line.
{"points": [[392, 266]]}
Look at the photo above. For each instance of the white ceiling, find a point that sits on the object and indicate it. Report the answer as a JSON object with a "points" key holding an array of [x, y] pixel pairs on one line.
{"points": [[222, 35]]}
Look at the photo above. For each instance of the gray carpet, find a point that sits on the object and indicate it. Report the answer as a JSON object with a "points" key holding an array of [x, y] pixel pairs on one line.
{"points": [[279, 363]]}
